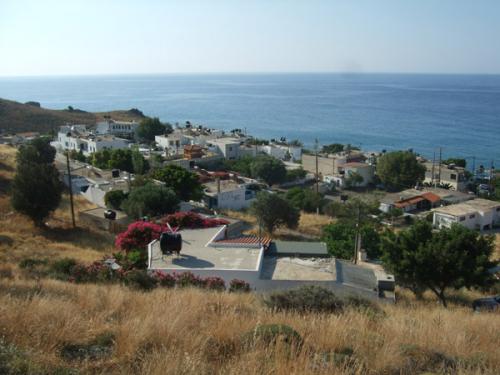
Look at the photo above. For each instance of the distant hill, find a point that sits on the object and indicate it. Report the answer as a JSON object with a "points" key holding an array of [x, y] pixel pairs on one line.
{"points": [[19, 117]]}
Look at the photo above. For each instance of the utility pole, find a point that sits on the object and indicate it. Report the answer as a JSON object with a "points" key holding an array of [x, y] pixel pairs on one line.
{"points": [[440, 156], [317, 172], [491, 178], [357, 237], [474, 167], [70, 190], [433, 165]]}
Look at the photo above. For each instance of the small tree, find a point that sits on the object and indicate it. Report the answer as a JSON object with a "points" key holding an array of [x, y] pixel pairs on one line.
{"points": [[151, 127], [339, 238], [36, 189], [354, 180], [304, 199], [451, 258], [115, 198], [399, 170], [138, 162], [183, 182], [150, 200], [269, 169], [273, 211]]}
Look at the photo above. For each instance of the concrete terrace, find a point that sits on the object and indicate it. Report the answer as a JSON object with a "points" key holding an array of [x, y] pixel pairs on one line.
{"points": [[196, 254]]}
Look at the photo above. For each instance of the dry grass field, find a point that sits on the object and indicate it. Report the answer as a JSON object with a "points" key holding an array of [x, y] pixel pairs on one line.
{"points": [[190, 331]]}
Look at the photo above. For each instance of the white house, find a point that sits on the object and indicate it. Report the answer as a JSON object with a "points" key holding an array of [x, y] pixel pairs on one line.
{"points": [[172, 143], [227, 147], [125, 129], [228, 194], [474, 214], [282, 152], [76, 137]]}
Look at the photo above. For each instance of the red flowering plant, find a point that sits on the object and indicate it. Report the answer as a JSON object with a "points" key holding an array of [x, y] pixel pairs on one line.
{"points": [[215, 283], [237, 285], [192, 220], [134, 241]]}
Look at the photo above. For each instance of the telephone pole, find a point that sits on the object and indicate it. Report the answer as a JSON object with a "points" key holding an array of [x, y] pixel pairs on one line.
{"points": [[70, 190], [317, 172], [440, 156], [433, 168], [357, 237]]}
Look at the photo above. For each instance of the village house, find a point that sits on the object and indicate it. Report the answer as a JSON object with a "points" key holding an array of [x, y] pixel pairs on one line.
{"points": [[412, 200], [330, 165], [282, 151], [78, 138], [233, 193], [266, 265], [228, 147], [122, 129], [451, 175], [480, 214]]}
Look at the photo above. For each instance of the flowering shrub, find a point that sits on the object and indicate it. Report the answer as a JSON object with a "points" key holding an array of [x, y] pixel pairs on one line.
{"points": [[237, 285], [188, 279], [138, 235], [192, 220], [95, 272], [164, 279], [215, 283]]}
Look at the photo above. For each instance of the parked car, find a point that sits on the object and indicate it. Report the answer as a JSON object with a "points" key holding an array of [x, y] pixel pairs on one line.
{"points": [[487, 304]]}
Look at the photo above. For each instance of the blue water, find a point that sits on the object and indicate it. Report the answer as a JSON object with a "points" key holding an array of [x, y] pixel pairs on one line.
{"points": [[460, 113]]}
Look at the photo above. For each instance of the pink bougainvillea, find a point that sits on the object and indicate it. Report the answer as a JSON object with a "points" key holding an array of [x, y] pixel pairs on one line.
{"points": [[138, 235], [192, 220]]}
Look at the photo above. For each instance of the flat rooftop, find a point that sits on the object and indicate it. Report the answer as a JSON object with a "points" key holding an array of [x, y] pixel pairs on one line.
{"points": [[225, 185], [195, 254], [468, 207], [293, 268]]}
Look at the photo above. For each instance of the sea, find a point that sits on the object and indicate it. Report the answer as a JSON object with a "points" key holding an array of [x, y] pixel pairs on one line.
{"points": [[457, 114]]}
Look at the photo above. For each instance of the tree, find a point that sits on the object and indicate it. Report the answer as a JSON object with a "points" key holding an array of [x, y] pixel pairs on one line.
{"points": [[269, 169], [333, 148], [451, 258], [304, 199], [121, 159], [353, 180], [138, 162], [400, 169], [183, 182], [150, 200], [273, 211], [340, 239], [115, 198], [100, 159], [150, 127], [459, 162], [36, 189], [37, 151], [295, 174]]}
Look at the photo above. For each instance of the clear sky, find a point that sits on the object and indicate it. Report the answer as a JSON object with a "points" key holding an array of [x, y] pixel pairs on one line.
{"points": [[52, 37]]}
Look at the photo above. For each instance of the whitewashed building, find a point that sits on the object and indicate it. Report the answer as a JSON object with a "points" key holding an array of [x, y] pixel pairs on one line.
{"points": [[124, 129], [478, 214]]}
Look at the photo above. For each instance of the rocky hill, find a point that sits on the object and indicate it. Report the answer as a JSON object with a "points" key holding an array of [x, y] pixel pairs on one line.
{"points": [[18, 117]]}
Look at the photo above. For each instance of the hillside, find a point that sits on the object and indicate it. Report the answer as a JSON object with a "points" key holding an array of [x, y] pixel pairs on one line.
{"points": [[18, 117], [47, 326]]}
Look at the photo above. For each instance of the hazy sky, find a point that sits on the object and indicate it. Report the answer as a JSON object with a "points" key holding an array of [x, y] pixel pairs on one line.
{"points": [[40, 37]]}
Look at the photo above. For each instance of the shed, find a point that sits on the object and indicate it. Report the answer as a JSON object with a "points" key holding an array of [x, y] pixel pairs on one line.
{"points": [[298, 249]]}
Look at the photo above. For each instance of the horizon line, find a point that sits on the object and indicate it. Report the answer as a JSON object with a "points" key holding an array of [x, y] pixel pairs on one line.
{"points": [[64, 75]]}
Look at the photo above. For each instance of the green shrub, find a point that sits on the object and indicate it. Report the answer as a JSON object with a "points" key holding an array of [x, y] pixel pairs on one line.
{"points": [[272, 333], [237, 285], [61, 269], [139, 279], [115, 198], [29, 263], [305, 298]]}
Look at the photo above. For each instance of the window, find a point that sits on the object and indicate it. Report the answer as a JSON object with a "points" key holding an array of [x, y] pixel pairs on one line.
{"points": [[230, 148], [453, 176], [462, 218], [498, 209], [472, 216]]}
